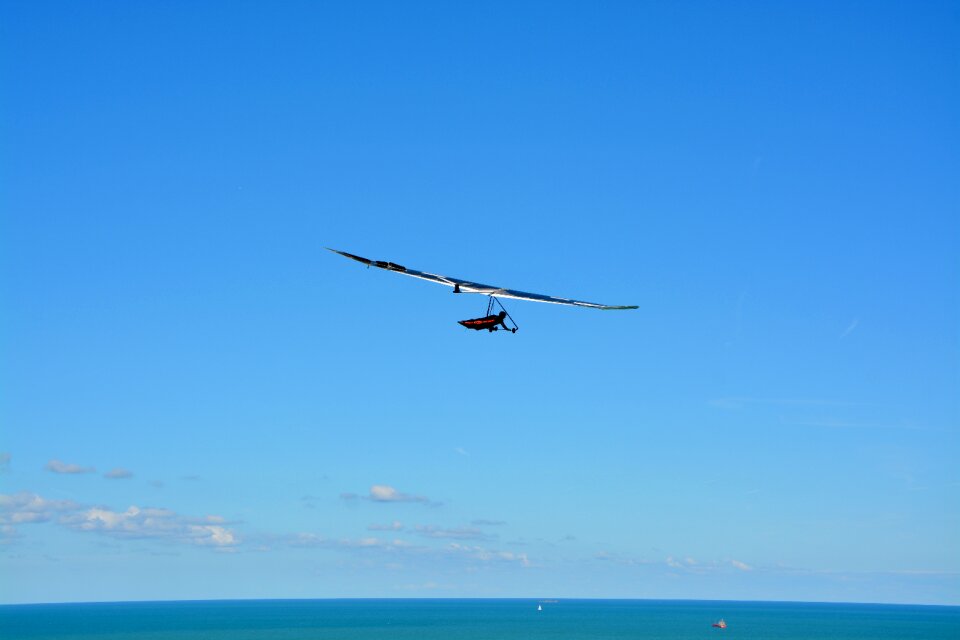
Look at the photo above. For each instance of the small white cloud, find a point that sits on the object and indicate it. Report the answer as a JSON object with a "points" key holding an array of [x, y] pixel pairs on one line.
{"points": [[386, 493], [461, 451], [742, 566], [373, 543], [850, 328], [455, 533], [4, 461], [488, 555], [212, 534], [303, 540], [313, 540], [396, 525], [56, 466], [620, 559], [365, 542], [482, 522], [118, 474]]}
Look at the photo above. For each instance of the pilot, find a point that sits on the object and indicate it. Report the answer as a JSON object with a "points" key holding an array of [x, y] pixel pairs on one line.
{"points": [[500, 321]]}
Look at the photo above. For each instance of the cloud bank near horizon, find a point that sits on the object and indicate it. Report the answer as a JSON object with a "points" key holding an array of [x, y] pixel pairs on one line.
{"points": [[133, 523]]}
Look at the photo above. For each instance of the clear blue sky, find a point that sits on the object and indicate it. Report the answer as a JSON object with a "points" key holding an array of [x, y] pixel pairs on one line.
{"points": [[199, 402]]}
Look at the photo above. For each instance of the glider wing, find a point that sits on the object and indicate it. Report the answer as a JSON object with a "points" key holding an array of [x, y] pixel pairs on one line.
{"points": [[466, 286]]}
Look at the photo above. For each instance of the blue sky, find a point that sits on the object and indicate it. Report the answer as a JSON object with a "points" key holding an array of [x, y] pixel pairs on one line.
{"points": [[200, 402]]}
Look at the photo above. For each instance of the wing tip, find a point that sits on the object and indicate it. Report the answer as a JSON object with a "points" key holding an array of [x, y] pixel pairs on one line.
{"points": [[619, 307], [365, 261]]}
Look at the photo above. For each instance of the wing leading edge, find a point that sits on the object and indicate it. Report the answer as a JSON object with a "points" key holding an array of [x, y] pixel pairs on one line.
{"points": [[466, 286]]}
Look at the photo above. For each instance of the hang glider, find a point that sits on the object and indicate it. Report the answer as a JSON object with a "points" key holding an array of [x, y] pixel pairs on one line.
{"points": [[490, 322]]}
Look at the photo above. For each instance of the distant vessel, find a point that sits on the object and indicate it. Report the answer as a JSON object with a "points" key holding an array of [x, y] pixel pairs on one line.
{"points": [[539, 608], [720, 624]]}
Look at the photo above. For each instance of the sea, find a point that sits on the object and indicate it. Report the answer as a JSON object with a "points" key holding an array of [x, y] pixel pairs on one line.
{"points": [[474, 619]]}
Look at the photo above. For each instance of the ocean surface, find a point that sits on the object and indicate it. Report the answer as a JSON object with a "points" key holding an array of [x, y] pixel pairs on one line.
{"points": [[469, 619]]}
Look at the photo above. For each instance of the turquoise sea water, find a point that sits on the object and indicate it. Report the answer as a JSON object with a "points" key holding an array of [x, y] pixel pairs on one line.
{"points": [[468, 619]]}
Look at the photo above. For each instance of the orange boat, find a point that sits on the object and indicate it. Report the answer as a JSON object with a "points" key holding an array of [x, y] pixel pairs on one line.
{"points": [[720, 624]]}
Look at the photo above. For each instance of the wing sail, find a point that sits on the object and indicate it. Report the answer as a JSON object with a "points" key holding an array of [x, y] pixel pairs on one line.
{"points": [[536, 297], [466, 286]]}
